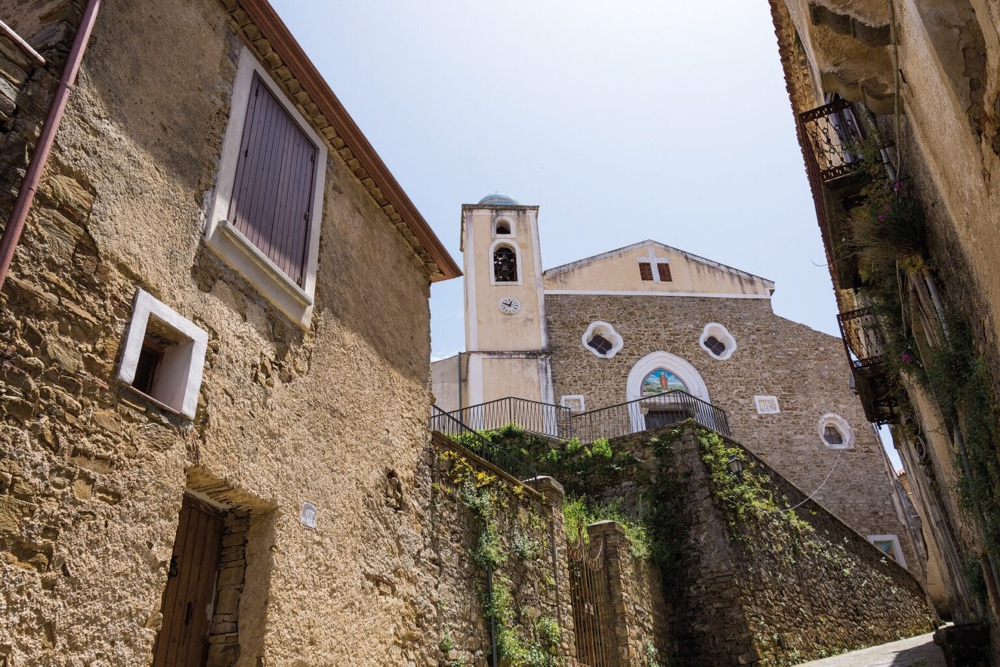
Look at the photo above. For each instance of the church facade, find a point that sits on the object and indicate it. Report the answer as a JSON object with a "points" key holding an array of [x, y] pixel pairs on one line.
{"points": [[648, 319]]}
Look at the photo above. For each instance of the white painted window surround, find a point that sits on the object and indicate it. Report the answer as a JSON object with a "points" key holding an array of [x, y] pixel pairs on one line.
{"points": [[608, 332], [232, 246], [721, 334], [178, 378], [839, 423], [897, 551], [505, 242]]}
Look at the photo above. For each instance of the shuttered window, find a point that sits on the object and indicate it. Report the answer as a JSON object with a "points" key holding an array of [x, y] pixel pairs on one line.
{"points": [[275, 177], [645, 271], [664, 270]]}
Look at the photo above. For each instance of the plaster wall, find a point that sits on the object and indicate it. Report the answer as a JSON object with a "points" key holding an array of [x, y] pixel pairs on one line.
{"points": [[504, 376], [806, 370], [445, 376], [92, 475], [619, 271]]}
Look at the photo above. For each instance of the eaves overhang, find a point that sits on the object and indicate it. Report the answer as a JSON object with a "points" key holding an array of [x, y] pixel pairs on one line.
{"points": [[289, 65]]}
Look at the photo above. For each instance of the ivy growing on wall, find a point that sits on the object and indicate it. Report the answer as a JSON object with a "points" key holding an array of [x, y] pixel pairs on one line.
{"points": [[504, 538]]}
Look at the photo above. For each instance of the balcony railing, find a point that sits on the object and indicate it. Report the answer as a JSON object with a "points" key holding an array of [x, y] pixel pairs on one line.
{"points": [[444, 423], [545, 419], [559, 423], [835, 133], [863, 337], [648, 413]]}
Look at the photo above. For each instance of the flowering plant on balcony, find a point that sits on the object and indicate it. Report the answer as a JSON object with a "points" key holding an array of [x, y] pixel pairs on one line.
{"points": [[888, 225]]}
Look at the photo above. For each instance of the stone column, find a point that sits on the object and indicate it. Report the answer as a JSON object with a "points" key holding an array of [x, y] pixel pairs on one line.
{"points": [[554, 495]]}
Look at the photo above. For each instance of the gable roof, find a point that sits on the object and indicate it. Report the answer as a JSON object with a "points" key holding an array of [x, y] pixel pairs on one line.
{"points": [[292, 69], [649, 242]]}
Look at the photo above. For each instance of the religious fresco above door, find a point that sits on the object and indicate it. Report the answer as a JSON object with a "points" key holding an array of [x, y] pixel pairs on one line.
{"points": [[660, 381]]}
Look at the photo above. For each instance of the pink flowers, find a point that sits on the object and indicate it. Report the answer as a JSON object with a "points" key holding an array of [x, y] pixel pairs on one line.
{"points": [[907, 359], [897, 186]]}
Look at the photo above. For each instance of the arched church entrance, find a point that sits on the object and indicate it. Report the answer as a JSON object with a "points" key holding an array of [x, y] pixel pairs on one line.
{"points": [[659, 391]]}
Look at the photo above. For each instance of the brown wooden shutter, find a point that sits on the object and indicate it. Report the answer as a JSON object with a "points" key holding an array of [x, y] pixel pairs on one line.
{"points": [[274, 184], [664, 270], [645, 271]]}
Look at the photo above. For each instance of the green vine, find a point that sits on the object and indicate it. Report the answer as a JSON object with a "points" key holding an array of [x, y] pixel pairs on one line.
{"points": [[487, 498]]}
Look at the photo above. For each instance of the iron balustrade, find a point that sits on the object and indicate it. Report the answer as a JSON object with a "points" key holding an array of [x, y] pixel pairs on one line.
{"points": [[544, 419], [559, 423], [474, 441], [649, 412], [862, 337], [834, 134]]}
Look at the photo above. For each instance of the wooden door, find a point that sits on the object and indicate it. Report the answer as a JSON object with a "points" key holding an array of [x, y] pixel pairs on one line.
{"points": [[189, 598]]}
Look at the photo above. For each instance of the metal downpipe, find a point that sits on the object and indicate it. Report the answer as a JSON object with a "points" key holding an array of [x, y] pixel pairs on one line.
{"points": [[29, 186]]}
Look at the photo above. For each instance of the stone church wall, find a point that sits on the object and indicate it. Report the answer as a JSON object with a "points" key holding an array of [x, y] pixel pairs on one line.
{"points": [[806, 370], [92, 475]]}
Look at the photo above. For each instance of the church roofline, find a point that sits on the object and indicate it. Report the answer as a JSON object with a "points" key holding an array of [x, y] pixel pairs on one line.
{"points": [[621, 251]]}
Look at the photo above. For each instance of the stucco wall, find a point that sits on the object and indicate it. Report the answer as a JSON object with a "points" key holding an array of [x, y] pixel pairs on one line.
{"points": [[619, 271], [93, 475], [806, 370]]}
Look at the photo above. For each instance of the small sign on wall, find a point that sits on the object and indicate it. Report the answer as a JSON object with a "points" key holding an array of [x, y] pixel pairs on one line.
{"points": [[308, 516], [767, 405]]}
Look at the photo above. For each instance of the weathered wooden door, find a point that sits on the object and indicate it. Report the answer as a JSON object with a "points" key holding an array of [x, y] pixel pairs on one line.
{"points": [[189, 597]]}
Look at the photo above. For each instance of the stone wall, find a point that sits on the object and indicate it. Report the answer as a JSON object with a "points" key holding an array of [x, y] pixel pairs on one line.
{"points": [[92, 474], [806, 370], [532, 548], [773, 589]]}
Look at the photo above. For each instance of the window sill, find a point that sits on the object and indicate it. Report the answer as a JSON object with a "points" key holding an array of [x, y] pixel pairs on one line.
{"points": [[152, 401], [242, 255]]}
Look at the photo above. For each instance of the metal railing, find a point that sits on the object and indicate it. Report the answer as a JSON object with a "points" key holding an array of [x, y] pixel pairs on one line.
{"points": [[559, 423], [834, 133], [474, 441], [862, 337], [650, 412], [545, 419]]}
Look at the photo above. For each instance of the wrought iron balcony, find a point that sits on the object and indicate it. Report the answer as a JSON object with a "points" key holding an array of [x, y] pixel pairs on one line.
{"points": [[862, 337], [834, 134], [873, 379]]}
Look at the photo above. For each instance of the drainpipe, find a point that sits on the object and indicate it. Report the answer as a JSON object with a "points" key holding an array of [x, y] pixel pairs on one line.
{"points": [[29, 186]]}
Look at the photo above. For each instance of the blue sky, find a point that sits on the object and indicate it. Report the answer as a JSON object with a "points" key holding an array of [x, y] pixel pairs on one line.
{"points": [[623, 121]]}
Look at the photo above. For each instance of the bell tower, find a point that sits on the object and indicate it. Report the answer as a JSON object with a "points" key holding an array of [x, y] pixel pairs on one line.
{"points": [[505, 329]]}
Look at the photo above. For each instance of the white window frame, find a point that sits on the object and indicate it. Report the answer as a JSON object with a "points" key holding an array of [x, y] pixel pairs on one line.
{"points": [[179, 377], [838, 422], [606, 330], [896, 548], [229, 243], [506, 241], [574, 397], [510, 224], [721, 334]]}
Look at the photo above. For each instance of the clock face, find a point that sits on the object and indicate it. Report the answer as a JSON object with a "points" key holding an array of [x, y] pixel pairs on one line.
{"points": [[509, 305]]}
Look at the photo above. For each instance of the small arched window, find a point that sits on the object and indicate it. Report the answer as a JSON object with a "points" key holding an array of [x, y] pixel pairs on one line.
{"points": [[503, 228], [504, 265], [717, 341]]}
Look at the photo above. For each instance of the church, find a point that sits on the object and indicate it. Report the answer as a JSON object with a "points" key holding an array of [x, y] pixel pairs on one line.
{"points": [[649, 319]]}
